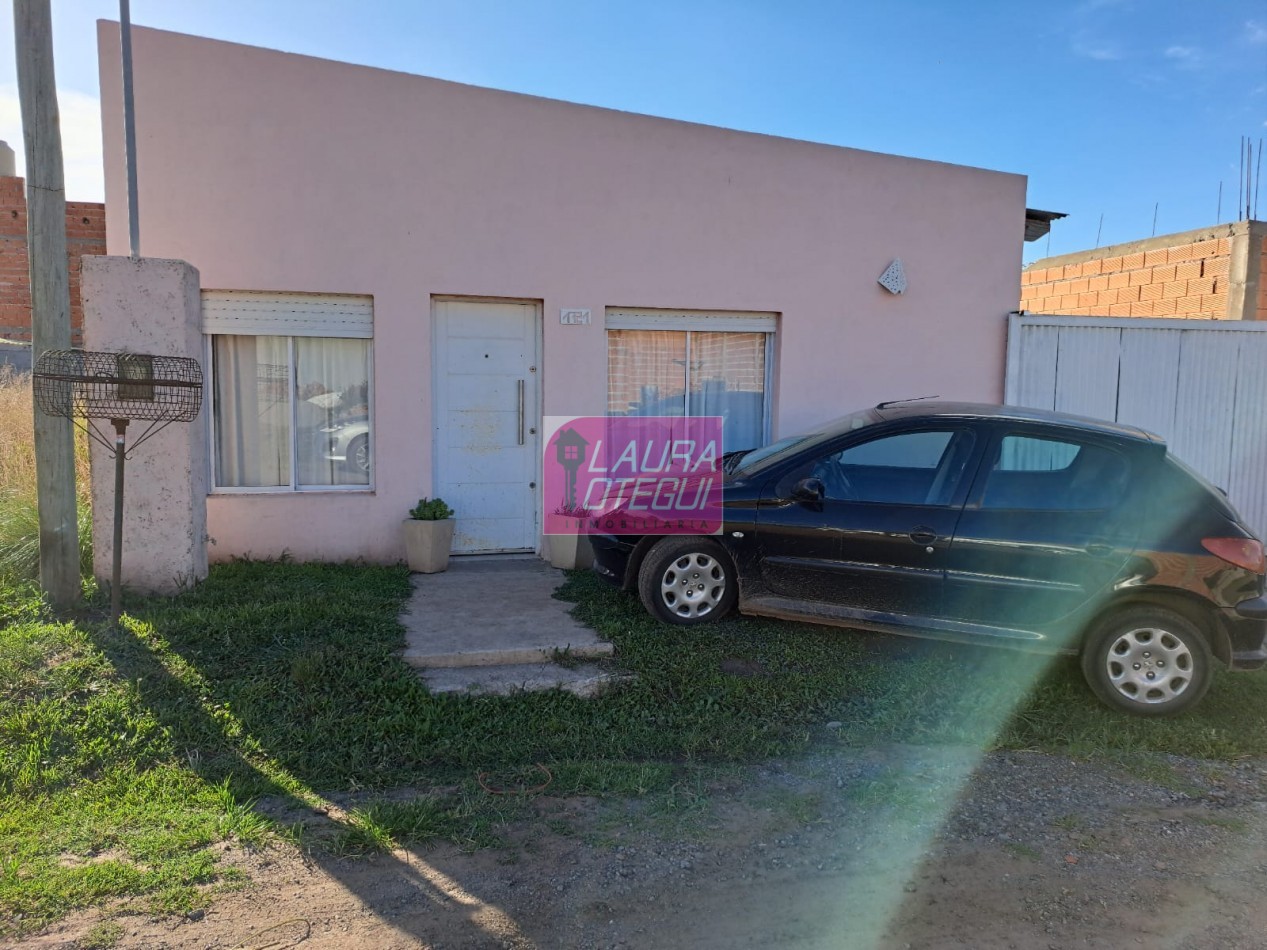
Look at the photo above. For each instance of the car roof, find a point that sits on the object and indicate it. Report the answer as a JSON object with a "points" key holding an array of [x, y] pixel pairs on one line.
{"points": [[938, 409]]}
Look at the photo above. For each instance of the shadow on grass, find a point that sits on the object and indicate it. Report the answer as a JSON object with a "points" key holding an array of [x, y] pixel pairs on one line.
{"points": [[199, 659]]}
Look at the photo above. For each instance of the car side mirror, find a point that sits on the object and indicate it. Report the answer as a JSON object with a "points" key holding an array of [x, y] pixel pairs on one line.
{"points": [[809, 489]]}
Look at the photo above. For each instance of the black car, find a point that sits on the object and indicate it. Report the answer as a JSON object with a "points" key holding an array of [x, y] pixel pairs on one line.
{"points": [[982, 525]]}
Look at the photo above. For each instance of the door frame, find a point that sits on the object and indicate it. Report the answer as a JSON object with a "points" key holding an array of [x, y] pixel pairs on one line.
{"points": [[535, 383]]}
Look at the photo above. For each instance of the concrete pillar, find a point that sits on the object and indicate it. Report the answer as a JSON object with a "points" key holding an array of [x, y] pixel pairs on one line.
{"points": [[149, 305], [1245, 272]]}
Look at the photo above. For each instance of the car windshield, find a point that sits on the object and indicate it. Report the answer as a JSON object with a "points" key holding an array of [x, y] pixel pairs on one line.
{"points": [[756, 460]]}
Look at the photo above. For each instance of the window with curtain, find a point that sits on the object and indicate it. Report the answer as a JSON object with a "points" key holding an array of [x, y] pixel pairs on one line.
{"points": [[290, 412], [691, 372]]}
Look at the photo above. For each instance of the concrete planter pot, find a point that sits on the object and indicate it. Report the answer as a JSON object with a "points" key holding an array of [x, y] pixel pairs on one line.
{"points": [[569, 551], [427, 545]]}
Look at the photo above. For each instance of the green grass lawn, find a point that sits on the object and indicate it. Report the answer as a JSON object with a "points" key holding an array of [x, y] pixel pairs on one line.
{"points": [[124, 754]]}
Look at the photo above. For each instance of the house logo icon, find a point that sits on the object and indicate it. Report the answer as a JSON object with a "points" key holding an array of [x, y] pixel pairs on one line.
{"points": [[569, 451]]}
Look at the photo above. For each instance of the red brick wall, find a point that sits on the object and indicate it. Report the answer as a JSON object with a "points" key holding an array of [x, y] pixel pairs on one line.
{"points": [[85, 234], [1188, 280]]}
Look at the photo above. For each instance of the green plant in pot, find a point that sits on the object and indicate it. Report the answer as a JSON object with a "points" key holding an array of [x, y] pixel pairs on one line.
{"points": [[429, 536]]}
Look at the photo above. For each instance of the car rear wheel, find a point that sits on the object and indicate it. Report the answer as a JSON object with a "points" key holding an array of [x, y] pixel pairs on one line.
{"points": [[687, 580], [1147, 660], [359, 454]]}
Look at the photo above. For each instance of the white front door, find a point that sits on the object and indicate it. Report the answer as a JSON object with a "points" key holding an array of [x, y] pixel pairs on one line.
{"points": [[484, 362]]}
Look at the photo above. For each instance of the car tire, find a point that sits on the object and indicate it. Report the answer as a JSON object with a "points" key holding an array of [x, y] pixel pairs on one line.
{"points": [[1149, 661], [687, 580], [359, 455]]}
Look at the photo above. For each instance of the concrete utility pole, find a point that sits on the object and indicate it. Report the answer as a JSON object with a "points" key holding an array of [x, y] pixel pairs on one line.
{"points": [[50, 294]]}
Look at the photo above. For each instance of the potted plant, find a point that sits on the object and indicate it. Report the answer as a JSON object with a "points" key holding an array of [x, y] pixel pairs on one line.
{"points": [[571, 550], [429, 536]]}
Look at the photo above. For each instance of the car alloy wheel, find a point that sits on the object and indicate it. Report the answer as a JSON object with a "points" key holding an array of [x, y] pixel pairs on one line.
{"points": [[687, 580], [1147, 660], [1149, 665], [693, 585]]}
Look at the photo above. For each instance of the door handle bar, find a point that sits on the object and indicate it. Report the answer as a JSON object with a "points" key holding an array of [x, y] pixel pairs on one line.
{"points": [[519, 386]]}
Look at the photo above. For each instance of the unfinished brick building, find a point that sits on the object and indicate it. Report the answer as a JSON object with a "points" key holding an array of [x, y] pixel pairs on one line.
{"points": [[1212, 273], [85, 234]]}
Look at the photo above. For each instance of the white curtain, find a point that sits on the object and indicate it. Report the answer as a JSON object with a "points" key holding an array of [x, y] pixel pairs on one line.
{"points": [[256, 411], [727, 379], [331, 409], [646, 373], [697, 373], [252, 411]]}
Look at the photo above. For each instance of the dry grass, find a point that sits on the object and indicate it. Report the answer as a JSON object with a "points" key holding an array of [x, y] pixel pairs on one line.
{"points": [[17, 449], [19, 520]]}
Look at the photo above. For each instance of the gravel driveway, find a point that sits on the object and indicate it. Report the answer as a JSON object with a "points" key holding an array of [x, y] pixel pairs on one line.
{"points": [[888, 848]]}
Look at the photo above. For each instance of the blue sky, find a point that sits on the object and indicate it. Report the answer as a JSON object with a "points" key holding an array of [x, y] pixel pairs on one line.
{"points": [[1108, 106]]}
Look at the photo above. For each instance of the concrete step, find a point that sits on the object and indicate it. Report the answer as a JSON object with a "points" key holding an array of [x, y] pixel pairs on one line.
{"points": [[495, 620], [507, 655], [585, 680]]}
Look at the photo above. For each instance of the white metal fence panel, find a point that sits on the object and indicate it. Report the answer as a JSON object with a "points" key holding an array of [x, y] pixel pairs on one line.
{"points": [[1206, 403], [1032, 381], [1200, 384], [1248, 479], [1086, 371], [1151, 397]]}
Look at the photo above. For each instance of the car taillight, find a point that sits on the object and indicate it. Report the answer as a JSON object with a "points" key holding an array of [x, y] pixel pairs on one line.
{"points": [[1243, 552]]}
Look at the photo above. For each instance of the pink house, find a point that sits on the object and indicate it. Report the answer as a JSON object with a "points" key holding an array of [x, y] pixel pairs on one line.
{"points": [[401, 277]]}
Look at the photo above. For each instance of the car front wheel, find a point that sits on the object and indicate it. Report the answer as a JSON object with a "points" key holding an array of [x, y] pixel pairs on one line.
{"points": [[686, 580], [1147, 660]]}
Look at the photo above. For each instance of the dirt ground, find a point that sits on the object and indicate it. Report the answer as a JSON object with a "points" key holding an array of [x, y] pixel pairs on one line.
{"points": [[890, 848]]}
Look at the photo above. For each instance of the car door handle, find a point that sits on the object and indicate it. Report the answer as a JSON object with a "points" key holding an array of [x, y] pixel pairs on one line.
{"points": [[922, 534]]}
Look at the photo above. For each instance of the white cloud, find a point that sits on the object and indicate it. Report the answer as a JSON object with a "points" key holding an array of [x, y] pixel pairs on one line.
{"points": [[1255, 32], [1102, 52], [81, 140], [1185, 57]]}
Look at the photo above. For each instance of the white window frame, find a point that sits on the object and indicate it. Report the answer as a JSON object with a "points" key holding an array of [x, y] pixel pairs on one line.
{"points": [[706, 321], [289, 315]]}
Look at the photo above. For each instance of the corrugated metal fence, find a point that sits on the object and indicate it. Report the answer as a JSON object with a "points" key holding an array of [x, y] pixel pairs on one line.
{"points": [[1201, 384]]}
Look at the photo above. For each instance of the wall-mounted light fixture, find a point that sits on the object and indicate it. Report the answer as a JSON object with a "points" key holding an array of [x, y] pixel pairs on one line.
{"points": [[894, 277]]}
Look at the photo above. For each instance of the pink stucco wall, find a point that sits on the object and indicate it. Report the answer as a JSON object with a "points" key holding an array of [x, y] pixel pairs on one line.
{"points": [[272, 171]]}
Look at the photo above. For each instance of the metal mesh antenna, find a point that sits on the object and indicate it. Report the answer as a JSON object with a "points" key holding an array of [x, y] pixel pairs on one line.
{"points": [[121, 387], [132, 386]]}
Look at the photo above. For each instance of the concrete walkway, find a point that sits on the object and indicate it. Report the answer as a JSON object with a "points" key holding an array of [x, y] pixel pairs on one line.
{"points": [[491, 625]]}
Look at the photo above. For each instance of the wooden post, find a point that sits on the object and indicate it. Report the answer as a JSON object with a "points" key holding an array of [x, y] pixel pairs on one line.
{"points": [[50, 294]]}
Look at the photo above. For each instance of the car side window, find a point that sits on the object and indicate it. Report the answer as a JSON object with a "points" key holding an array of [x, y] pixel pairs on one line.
{"points": [[910, 468], [1054, 475]]}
